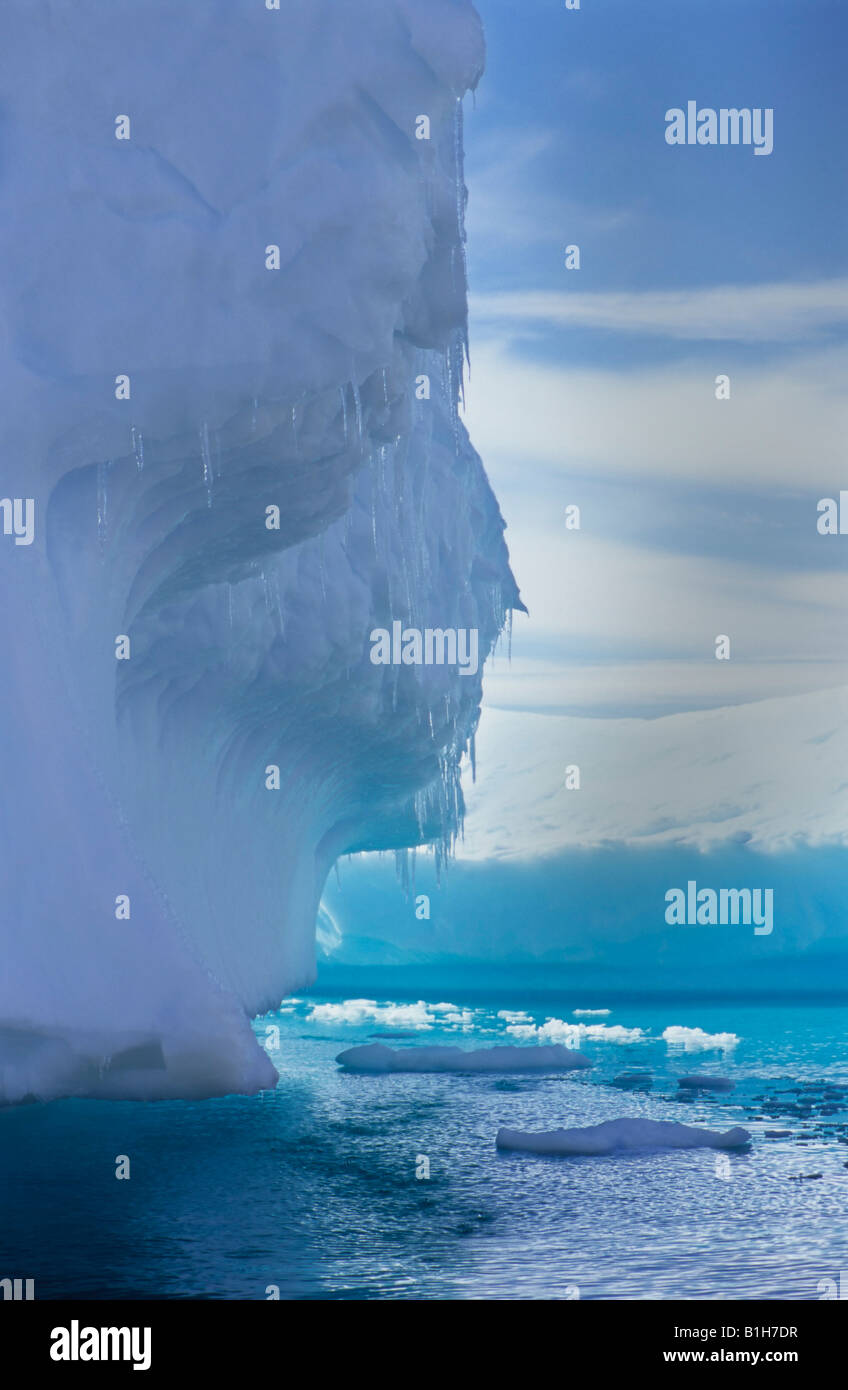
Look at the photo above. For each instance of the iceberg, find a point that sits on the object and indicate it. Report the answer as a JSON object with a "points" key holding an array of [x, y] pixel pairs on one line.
{"points": [[621, 1136], [234, 306], [374, 1057]]}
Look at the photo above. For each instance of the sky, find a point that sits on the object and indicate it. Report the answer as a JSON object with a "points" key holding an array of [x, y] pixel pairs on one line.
{"points": [[596, 386]]}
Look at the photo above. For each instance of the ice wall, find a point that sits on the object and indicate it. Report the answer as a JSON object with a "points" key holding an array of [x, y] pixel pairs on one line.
{"points": [[139, 268]]}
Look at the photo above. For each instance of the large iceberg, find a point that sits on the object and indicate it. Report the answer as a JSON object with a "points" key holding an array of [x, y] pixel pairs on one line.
{"points": [[256, 301]]}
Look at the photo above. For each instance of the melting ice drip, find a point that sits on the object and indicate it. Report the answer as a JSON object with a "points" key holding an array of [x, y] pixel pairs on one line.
{"points": [[250, 389]]}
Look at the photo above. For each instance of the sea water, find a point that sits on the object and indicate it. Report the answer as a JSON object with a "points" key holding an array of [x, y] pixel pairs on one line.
{"points": [[345, 1186]]}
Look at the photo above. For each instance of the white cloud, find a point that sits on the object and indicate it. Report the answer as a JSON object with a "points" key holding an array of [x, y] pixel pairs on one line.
{"points": [[649, 687], [543, 429], [556, 1030], [510, 200], [784, 426], [658, 603], [781, 312]]}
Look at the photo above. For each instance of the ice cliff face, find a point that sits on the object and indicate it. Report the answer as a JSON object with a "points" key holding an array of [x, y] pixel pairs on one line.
{"points": [[165, 388]]}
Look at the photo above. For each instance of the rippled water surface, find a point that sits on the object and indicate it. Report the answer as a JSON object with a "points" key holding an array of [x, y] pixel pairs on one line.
{"points": [[312, 1189]]}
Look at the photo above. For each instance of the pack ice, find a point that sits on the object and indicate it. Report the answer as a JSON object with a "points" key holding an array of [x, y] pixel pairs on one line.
{"points": [[231, 366]]}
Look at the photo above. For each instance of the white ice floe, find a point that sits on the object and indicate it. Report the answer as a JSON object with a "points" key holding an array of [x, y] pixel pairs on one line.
{"points": [[376, 1058], [357, 1011], [620, 1136], [573, 1034], [696, 1040]]}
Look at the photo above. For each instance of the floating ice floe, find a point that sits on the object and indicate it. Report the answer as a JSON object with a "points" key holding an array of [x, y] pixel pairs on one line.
{"points": [[376, 1058], [619, 1136], [572, 1034], [359, 1011], [706, 1083], [697, 1040]]}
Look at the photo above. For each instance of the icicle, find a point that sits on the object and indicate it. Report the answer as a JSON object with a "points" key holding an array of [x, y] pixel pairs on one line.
{"points": [[207, 462], [420, 808], [357, 401], [343, 394], [452, 374], [458, 169], [279, 603], [137, 447], [374, 514], [460, 190], [402, 869], [270, 595], [102, 500], [321, 567]]}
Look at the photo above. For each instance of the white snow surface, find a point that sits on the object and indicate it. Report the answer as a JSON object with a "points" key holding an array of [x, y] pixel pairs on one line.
{"points": [[768, 775]]}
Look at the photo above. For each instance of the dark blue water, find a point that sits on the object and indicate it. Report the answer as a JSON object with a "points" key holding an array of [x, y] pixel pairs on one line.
{"points": [[313, 1189]]}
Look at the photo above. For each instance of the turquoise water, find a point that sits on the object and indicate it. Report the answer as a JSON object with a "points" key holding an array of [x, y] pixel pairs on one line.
{"points": [[312, 1189]]}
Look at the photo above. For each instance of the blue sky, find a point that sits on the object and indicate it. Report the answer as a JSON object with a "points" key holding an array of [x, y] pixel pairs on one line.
{"points": [[597, 386], [578, 99]]}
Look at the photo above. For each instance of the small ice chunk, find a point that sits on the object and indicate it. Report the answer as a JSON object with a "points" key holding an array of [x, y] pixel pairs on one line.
{"points": [[376, 1058], [618, 1136]]}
